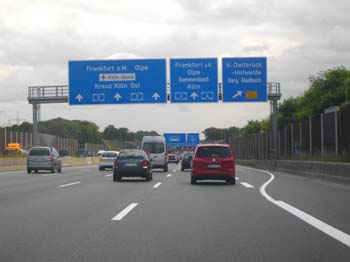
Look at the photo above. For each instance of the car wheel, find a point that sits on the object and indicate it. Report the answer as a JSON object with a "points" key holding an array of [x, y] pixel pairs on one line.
{"points": [[148, 177], [29, 171], [193, 180], [182, 169], [100, 168], [231, 181], [151, 176], [59, 170], [165, 169], [116, 177], [53, 169], [36, 171]]}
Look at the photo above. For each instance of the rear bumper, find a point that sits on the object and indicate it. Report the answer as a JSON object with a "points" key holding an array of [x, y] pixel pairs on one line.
{"points": [[206, 176], [41, 166], [140, 173]]}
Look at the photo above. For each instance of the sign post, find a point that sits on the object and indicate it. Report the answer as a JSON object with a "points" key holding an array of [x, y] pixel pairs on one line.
{"points": [[244, 79], [193, 80], [117, 82]]}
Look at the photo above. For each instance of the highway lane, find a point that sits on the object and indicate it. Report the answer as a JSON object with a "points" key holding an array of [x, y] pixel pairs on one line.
{"points": [[170, 220]]}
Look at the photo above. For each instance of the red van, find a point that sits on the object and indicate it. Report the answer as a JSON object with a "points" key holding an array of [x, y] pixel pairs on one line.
{"points": [[213, 162]]}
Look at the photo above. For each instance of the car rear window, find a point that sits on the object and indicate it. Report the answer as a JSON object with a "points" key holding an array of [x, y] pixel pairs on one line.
{"points": [[172, 157], [213, 151], [39, 152], [188, 157], [124, 155], [154, 148], [109, 154]]}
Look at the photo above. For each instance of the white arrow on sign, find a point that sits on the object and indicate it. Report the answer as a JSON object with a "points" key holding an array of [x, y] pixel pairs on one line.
{"points": [[79, 97], [238, 93], [194, 95], [117, 96], [156, 96]]}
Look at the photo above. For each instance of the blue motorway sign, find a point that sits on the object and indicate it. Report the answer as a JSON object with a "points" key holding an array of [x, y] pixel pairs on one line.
{"points": [[193, 80], [192, 139], [117, 81], [175, 139], [244, 79]]}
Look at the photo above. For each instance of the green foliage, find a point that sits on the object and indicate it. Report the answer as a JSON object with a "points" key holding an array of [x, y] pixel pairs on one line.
{"points": [[213, 133], [24, 127], [123, 134]]}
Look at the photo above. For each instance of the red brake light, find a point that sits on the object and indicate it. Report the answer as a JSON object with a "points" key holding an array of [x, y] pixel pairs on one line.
{"points": [[50, 158], [145, 164], [116, 164]]}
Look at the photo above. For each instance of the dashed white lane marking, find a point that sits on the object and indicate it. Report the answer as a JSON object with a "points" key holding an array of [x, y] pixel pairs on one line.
{"points": [[320, 225], [52, 174], [169, 175], [108, 175], [246, 185], [70, 184], [157, 185], [174, 170], [83, 170], [237, 178], [124, 212]]}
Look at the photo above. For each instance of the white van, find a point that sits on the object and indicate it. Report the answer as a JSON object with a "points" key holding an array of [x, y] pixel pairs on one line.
{"points": [[155, 146]]}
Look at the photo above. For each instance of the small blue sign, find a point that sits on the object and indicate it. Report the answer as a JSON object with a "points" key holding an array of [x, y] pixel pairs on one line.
{"points": [[117, 82], [175, 139], [193, 80], [244, 79], [192, 139]]}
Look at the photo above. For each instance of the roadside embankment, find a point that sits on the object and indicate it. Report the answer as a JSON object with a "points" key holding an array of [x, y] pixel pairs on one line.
{"points": [[19, 163], [339, 172]]}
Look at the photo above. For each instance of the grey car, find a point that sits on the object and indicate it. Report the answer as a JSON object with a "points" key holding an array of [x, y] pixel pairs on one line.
{"points": [[43, 158]]}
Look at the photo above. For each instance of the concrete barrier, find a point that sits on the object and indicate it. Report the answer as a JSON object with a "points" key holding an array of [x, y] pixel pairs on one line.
{"points": [[339, 172], [14, 164]]}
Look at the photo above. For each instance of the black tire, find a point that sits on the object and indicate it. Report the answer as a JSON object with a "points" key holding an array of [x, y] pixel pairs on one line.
{"points": [[36, 171], [100, 168], [116, 177], [148, 177], [29, 171], [182, 169], [59, 170], [231, 181], [103, 169], [151, 176], [53, 169], [193, 180], [165, 168]]}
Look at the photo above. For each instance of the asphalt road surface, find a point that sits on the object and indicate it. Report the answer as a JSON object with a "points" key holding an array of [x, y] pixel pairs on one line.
{"points": [[82, 215]]}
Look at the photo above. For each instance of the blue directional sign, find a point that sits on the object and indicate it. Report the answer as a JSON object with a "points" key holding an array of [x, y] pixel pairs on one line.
{"points": [[175, 139], [117, 81], [244, 79], [192, 139], [193, 80]]}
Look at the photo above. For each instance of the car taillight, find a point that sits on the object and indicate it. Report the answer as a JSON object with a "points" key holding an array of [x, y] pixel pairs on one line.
{"points": [[165, 157], [30, 158], [145, 164], [50, 158], [229, 163], [116, 164]]}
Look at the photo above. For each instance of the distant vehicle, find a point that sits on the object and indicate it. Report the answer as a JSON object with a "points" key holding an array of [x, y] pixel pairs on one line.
{"points": [[100, 152], [155, 147], [82, 153], [132, 163], [63, 152], [186, 161], [213, 162], [43, 158], [172, 158], [107, 159]]}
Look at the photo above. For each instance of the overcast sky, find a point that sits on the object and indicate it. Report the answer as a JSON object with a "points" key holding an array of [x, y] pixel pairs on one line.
{"points": [[39, 37]]}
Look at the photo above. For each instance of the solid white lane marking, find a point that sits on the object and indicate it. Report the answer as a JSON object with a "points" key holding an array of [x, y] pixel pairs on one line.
{"points": [[70, 184], [124, 212], [246, 185], [157, 185], [312, 221], [169, 175], [108, 175]]}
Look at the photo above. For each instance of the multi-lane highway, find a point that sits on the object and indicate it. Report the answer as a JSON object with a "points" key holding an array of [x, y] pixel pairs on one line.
{"points": [[82, 215]]}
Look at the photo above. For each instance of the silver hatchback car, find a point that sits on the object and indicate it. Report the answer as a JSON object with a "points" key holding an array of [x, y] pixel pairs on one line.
{"points": [[43, 158]]}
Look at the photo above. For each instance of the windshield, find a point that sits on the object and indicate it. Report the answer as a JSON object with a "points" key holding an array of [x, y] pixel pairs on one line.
{"points": [[213, 151], [130, 155], [39, 152], [109, 154], [154, 148]]}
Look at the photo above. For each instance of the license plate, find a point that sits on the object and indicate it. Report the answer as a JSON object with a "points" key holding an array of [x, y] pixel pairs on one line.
{"points": [[214, 166], [130, 164]]}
